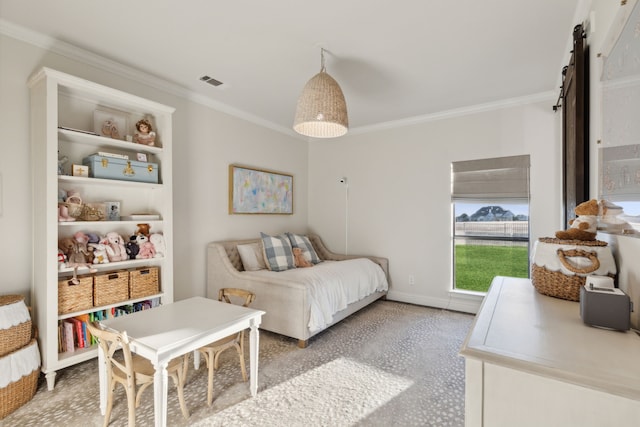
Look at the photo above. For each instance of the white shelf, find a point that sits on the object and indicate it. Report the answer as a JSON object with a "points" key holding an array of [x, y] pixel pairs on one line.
{"points": [[116, 265], [59, 99], [106, 307], [98, 141], [66, 179]]}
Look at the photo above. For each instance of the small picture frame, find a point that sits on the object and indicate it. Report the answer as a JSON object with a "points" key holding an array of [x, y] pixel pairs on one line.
{"points": [[112, 210], [110, 123], [142, 157], [80, 170]]}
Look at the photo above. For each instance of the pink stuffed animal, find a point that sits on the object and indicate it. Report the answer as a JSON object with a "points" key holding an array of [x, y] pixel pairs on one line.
{"points": [[116, 250], [146, 247]]}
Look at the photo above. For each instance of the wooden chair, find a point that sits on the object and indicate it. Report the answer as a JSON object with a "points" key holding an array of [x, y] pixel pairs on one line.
{"points": [[133, 371], [212, 352]]}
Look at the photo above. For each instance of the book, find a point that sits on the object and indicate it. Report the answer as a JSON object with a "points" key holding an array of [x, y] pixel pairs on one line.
{"points": [[140, 217], [68, 335]]}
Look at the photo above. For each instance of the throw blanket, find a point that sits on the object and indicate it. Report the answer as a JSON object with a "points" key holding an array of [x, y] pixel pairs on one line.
{"points": [[332, 285]]}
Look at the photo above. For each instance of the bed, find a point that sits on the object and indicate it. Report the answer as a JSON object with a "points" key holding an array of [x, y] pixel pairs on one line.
{"points": [[300, 302]]}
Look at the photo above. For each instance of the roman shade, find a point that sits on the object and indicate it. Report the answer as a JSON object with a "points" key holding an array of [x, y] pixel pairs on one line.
{"points": [[496, 178]]}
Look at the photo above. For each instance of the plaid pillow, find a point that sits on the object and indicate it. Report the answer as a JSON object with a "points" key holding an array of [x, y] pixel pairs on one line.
{"points": [[303, 242], [278, 253]]}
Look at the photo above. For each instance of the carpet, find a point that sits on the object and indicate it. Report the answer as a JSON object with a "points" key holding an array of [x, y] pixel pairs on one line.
{"points": [[388, 364]]}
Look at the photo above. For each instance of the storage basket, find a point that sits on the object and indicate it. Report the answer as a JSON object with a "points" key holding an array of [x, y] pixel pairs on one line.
{"points": [[24, 363], [72, 297], [109, 288], [75, 209], [567, 286], [15, 323], [143, 282]]}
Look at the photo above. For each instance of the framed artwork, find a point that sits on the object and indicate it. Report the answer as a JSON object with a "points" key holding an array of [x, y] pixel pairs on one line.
{"points": [[257, 191]]}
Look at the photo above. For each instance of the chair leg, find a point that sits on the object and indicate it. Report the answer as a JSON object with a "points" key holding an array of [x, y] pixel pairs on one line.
{"points": [[131, 402], [107, 414], [242, 367], [179, 379]]}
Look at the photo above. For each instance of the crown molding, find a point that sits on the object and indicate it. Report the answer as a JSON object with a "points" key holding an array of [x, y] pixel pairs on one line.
{"points": [[458, 112]]}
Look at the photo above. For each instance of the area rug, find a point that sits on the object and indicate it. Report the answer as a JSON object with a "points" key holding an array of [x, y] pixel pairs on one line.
{"points": [[389, 364]]}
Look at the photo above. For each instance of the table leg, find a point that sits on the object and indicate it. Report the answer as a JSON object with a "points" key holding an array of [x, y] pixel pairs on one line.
{"points": [[102, 380], [253, 358], [196, 359], [160, 394]]}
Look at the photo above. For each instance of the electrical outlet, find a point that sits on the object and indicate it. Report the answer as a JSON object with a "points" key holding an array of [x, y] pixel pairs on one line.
{"points": [[412, 279]]}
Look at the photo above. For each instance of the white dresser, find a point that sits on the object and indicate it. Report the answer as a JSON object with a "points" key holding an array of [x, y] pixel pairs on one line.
{"points": [[531, 361]]}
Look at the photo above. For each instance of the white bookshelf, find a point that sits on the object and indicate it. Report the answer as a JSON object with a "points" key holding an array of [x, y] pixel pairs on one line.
{"points": [[59, 99]]}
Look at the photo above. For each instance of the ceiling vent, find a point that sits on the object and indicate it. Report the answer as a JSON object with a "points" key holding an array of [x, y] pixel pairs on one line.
{"points": [[211, 81]]}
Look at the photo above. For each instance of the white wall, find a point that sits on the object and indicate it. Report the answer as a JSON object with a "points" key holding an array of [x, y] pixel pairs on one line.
{"points": [[399, 202], [205, 143]]}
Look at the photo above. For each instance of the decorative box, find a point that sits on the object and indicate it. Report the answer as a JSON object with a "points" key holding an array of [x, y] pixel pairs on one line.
{"points": [[121, 169]]}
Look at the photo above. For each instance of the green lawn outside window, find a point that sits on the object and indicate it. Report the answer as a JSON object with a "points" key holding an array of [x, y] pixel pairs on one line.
{"points": [[476, 266]]}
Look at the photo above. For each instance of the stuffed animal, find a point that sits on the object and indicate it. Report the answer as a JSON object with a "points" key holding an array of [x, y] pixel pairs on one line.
{"points": [[100, 255], [584, 226], [146, 247], [115, 247], [132, 247], [301, 261], [75, 256], [143, 229], [158, 244]]}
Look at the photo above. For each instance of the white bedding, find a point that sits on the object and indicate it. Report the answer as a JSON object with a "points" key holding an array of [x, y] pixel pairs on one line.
{"points": [[332, 285]]}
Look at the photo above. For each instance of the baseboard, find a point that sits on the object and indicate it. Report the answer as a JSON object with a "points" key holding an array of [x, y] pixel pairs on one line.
{"points": [[456, 302]]}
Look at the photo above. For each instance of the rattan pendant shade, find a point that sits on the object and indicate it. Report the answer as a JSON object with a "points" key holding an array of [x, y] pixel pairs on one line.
{"points": [[321, 111]]}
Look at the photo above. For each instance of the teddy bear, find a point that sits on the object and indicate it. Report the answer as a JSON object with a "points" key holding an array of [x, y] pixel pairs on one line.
{"points": [[115, 247], [301, 261], [143, 229], [584, 226], [158, 244], [132, 247], [146, 247], [100, 255]]}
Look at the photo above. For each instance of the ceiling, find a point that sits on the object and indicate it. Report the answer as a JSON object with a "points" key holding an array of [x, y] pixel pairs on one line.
{"points": [[395, 61]]}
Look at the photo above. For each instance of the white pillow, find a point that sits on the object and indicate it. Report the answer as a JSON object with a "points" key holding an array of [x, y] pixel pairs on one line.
{"points": [[251, 256]]}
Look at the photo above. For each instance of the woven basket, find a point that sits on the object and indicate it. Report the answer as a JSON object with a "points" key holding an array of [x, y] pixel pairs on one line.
{"points": [[143, 282], [16, 336], [72, 297], [110, 288], [17, 393], [75, 209], [559, 285]]}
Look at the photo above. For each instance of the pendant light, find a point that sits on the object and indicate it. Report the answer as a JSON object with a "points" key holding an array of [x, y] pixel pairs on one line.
{"points": [[321, 111]]}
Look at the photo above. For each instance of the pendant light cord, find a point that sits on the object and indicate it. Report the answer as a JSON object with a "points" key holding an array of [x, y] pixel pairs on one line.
{"points": [[322, 67]]}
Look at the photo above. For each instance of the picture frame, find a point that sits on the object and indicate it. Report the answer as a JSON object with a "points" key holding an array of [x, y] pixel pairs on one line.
{"points": [[141, 157], [259, 191], [110, 123], [112, 211]]}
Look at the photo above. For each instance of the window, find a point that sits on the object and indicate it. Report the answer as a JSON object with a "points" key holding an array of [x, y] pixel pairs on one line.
{"points": [[490, 205]]}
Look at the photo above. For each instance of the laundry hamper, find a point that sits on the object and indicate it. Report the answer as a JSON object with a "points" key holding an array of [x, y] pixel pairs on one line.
{"points": [[15, 323], [19, 372], [560, 267], [19, 355]]}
